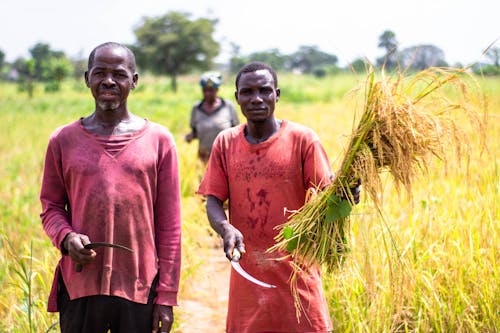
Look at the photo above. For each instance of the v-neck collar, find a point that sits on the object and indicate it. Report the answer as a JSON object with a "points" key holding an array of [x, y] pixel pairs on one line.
{"points": [[113, 145]]}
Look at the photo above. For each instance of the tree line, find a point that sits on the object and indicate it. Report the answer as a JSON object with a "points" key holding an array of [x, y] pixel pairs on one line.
{"points": [[175, 44]]}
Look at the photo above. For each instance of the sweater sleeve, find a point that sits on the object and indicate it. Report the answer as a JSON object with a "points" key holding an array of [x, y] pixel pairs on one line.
{"points": [[54, 198], [168, 228]]}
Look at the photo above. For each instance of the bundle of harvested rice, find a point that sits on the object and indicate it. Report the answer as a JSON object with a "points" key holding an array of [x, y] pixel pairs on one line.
{"points": [[405, 121]]}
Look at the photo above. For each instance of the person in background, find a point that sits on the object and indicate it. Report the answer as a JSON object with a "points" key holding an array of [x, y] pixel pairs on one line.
{"points": [[262, 168], [210, 116], [113, 177]]}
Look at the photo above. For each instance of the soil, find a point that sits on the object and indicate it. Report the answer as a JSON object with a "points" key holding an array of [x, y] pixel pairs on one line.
{"points": [[205, 308]]}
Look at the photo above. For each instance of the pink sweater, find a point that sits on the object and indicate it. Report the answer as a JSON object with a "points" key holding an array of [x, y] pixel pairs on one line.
{"points": [[120, 189]]}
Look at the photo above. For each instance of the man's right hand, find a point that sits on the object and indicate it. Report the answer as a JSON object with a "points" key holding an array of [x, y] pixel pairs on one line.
{"points": [[218, 220], [189, 137], [74, 243], [233, 238]]}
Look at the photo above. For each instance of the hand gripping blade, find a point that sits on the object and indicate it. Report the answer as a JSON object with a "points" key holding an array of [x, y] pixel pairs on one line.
{"points": [[95, 245]]}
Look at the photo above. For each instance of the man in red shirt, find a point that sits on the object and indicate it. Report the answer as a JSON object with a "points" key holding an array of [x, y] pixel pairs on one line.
{"points": [[113, 177], [264, 168]]}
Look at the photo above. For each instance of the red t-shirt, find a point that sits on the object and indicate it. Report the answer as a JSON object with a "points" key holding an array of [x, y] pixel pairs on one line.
{"points": [[261, 181], [121, 189]]}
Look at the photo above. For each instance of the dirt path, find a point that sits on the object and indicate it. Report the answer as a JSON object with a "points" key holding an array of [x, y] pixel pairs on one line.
{"points": [[204, 309]]}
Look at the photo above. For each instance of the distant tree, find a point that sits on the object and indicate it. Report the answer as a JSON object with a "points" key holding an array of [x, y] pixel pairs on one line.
{"points": [[26, 74], [420, 57], [41, 54], [272, 57], [2, 60], [45, 60], [308, 58], [359, 65], [387, 41], [484, 69], [79, 65], [493, 54], [173, 44], [55, 71], [236, 61], [19, 65]]}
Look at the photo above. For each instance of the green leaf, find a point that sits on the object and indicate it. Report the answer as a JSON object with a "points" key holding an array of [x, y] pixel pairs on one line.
{"points": [[333, 199], [287, 232], [337, 208], [292, 244], [344, 208], [332, 213]]}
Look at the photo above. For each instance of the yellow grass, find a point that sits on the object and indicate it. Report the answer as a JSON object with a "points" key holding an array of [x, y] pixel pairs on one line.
{"points": [[404, 122], [429, 266]]}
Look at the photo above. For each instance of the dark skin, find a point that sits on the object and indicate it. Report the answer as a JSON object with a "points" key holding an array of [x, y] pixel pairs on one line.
{"points": [[257, 96], [110, 80], [210, 103]]}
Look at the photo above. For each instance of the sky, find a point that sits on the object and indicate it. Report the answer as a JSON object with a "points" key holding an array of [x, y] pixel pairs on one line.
{"points": [[349, 28]]}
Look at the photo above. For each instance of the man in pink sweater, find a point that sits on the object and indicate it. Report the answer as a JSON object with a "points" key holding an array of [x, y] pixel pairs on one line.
{"points": [[113, 177]]}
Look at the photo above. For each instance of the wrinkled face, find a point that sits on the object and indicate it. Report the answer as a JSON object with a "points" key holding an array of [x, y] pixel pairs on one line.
{"points": [[257, 95], [110, 79], [209, 93]]}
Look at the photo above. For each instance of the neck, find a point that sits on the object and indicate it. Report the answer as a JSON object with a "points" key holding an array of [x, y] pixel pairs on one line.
{"points": [[210, 105], [211, 101], [110, 117], [261, 131]]}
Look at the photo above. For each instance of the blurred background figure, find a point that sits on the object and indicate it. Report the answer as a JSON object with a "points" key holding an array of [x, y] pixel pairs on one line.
{"points": [[210, 116]]}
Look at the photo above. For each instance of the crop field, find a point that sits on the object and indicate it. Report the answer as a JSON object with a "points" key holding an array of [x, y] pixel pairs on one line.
{"points": [[426, 264]]}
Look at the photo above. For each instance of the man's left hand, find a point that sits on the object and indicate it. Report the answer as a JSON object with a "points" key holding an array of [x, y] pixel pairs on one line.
{"points": [[163, 318]]}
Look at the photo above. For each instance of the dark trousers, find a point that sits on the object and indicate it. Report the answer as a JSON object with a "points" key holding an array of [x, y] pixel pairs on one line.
{"points": [[100, 314]]}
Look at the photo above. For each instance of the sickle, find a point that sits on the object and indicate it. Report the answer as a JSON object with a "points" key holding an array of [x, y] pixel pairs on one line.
{"points": [[237, 267], [95, 245]]}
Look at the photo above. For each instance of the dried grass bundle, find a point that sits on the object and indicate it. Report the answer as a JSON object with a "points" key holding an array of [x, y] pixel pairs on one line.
{"points": [[405, 121]]}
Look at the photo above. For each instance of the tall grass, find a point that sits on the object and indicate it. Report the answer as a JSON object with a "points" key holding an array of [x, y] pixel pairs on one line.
{"points": [[429, 266]]}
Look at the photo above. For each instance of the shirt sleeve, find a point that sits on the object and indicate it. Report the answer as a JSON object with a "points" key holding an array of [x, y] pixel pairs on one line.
{"points": [[317, 170], [215, 181], [54, 198], [168, 228]]}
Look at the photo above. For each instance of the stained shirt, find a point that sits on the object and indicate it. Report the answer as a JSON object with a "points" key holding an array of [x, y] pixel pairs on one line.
{"points": [[263, 183], [208, 124], [121, 189]]}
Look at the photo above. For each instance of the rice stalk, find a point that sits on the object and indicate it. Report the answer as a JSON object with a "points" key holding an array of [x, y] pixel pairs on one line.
{"points": [[406, 120]]}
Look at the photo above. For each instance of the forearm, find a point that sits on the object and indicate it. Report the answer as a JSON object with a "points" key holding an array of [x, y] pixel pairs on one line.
{"points": [[217, 216], [231, 236]]}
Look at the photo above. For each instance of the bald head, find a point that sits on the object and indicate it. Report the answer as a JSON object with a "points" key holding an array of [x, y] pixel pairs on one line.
{"points": [[130, 54]]}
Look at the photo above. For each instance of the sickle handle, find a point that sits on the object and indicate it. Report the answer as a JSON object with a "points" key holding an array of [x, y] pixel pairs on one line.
{"points": [[236, 255]]}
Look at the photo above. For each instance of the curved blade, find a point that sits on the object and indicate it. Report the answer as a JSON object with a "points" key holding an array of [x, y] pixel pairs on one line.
{"points": [[95, 245], [102, 244], [237, 267]]}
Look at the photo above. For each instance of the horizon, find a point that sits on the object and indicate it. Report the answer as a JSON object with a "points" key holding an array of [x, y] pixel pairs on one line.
{"points": [[463, 32]]}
